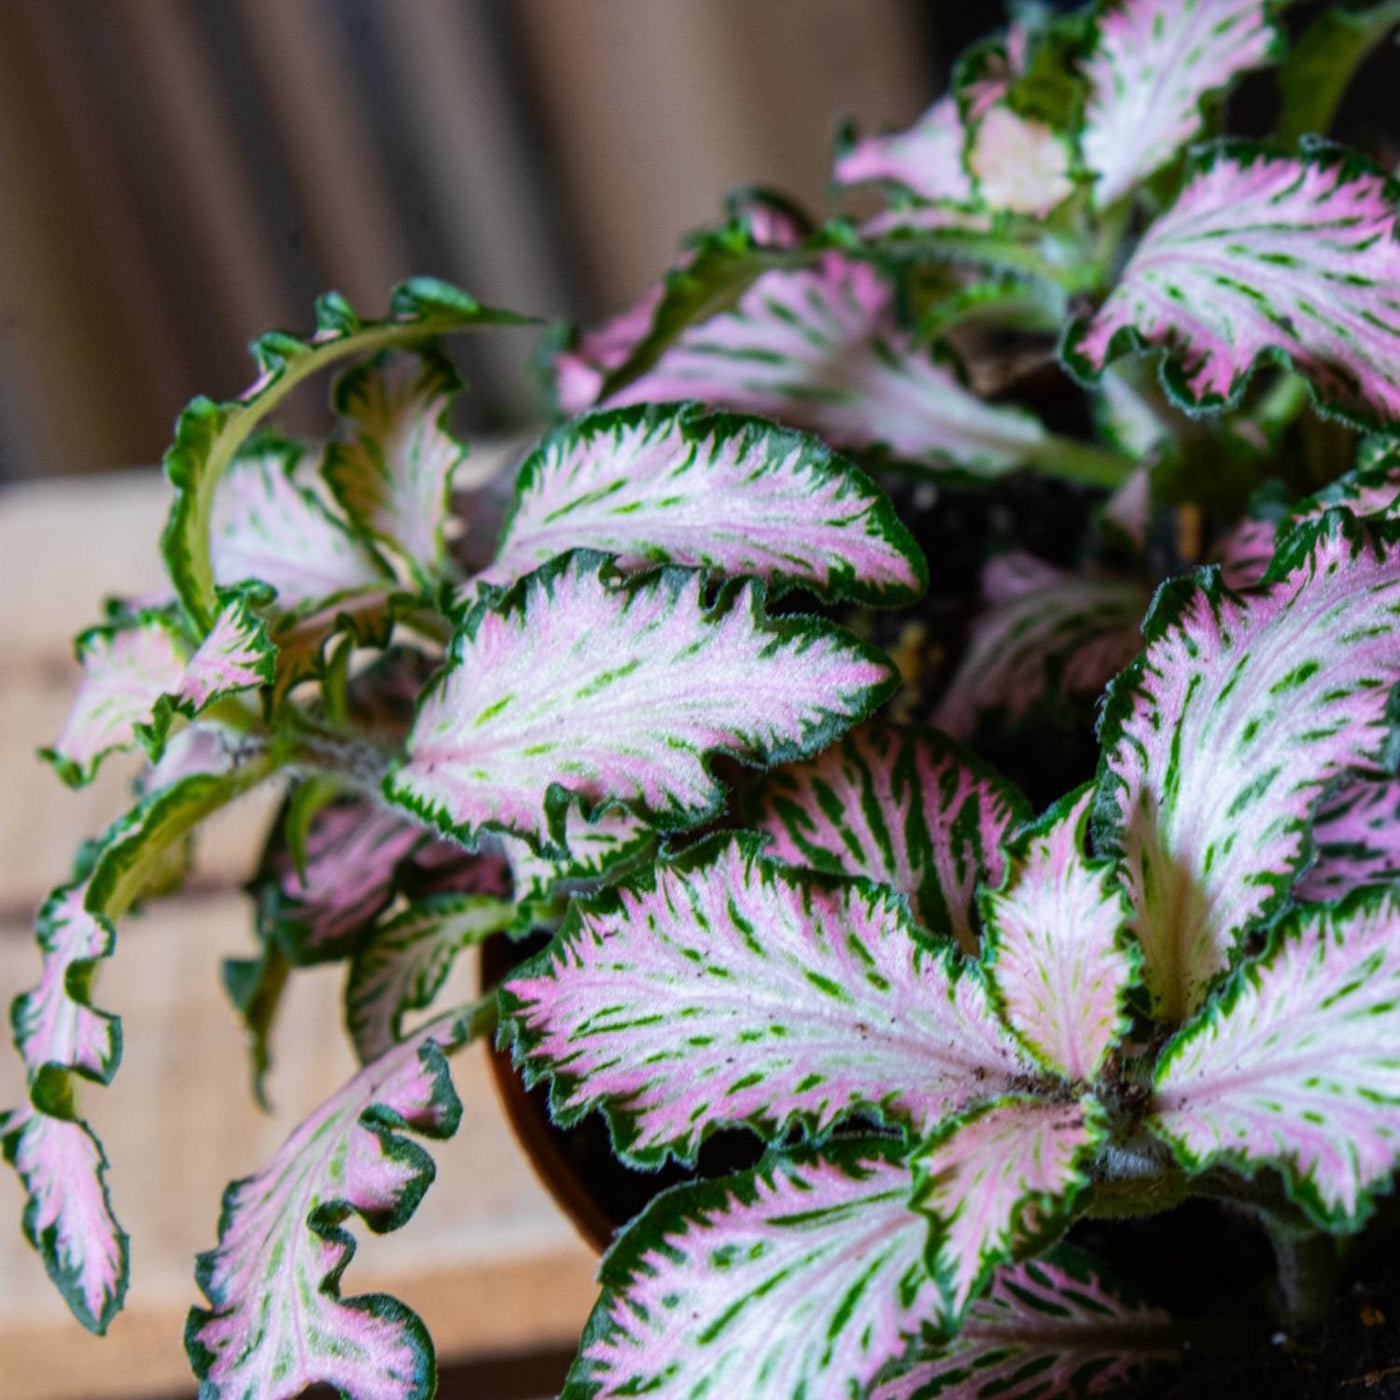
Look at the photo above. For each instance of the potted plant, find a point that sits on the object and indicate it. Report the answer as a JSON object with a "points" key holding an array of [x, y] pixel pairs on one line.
{"points": [[758, 746]]}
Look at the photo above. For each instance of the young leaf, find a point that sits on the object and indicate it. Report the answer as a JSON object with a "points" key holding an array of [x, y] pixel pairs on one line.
{"points": [[1047, 636], [997, 1183], [802, 1277], [209, 435], [268, 527], [364, 615], [818, 348], [1289, 258], [570, 687], [1019, 163], [729, 494], [276, 1321], [1294, 1064], [728, 989], [926, 160], [1152, 63], [1060, 968], [1219, 739], [1356, 837], [907, 808], [392, 468], [67, 1215], [235, 655], [607, 845], [406, 961], [1047, 1328]]}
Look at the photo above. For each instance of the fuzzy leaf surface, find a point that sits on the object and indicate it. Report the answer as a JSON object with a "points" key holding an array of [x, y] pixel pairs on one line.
{"points": [[904, 807], [1055, 935], [1049, 1328], [1295, 1065], [731, 989], [1356, 840], [1220, 738], [276, 1322], [1152, 63], [729, 494], [572, 687], [802, 1277], [1289, 258], [997, 1182]]}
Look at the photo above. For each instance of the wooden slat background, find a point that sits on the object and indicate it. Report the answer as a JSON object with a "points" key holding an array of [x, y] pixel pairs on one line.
{"points": [[488, 1262]]}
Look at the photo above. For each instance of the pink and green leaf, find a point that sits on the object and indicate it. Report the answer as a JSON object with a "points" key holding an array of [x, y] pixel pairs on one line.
{"points": [[907, 808], [393, 464], [1047, 637], [575, 688], [1220, 738], [1294, 1065], [1152, 64], [732, 495], [999, 1183], [802, 1277], [1019, 164], [209, 435], [609, 844], [235, 655], [276, 1321], [1356, 840], [926, 160], [1048, 1328], [1057, 954], [728, 989], [1287, 258], [406, 960]]}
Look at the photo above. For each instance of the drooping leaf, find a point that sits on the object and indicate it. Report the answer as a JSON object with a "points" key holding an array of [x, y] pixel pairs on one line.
{"points": [[818, 348], [276, 1321], [267, 525], [67, 1215], [907, 808], [1322, 62], [1060, 967], [572, 687], [393, 466], [1220, 738], [998, 1183], [209, 435], [1019, 163], [802, 1277], [1049, 1328], [1289, 258], [1152, 63], [255, 986], [729, 989], [926, 159], [1356, 840], [1047, 636], [729, 494], [407, 959], [1294, 1064]]}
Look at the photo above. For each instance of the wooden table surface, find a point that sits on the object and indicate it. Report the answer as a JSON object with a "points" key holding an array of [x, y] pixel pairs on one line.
{"points": [[488, 1261]]}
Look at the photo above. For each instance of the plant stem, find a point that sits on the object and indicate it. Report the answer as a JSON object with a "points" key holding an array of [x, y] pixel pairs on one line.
{"points": [[1309, 1270], [1079, 461]]}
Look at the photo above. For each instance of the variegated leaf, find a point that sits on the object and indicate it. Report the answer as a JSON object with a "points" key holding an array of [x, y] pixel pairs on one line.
{"points": [[729, 989], [276, 1321], [1046, 637], [209, 435], [1289, 258], [267, 526], [1152, 63], [392, 468], [235, 655], [1059, 962], [818, 348], [998, 1183], [905, 807], [67, 1215], [1294, 1065], [407, 959], [1049, 1328], [1019, 164], [303, 635], [607, 845], [926, 160], [733, 495], [1356, 840], [574, 688], [1219, 739], [802, 1277]]}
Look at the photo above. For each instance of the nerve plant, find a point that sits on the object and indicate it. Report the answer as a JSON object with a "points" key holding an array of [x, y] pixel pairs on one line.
{"points": [[958, 1028]]}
